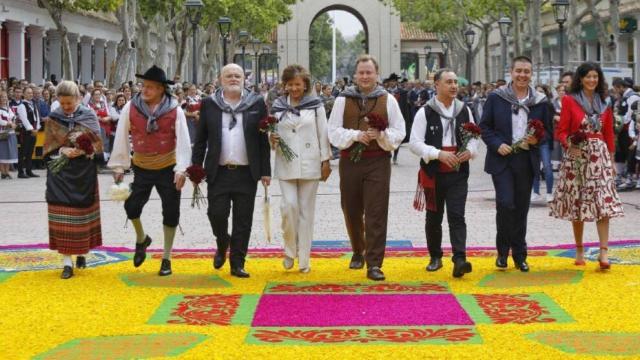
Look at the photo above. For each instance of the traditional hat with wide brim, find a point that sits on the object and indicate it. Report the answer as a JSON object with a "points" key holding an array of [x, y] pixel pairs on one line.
{"points": [[155, 74]]}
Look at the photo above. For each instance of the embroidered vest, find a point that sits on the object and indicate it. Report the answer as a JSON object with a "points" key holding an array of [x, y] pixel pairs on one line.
{"points": [[433, 137], [354, 114], [162, 141]]}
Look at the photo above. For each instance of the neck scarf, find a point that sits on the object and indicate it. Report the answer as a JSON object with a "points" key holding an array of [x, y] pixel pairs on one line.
{"points": [[354, 92], [81, 116], [248, 99], [281, 104], [508, 94], [592, 109], [168, 103], [458, 106]]}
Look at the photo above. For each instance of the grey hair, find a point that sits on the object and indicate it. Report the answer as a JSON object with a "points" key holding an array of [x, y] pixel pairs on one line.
{"points": [[67, 88]]}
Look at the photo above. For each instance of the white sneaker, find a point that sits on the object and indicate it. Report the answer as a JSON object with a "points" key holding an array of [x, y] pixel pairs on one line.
{"points": [[287, 263], [549, 197], [535, 197], [305, 270]]}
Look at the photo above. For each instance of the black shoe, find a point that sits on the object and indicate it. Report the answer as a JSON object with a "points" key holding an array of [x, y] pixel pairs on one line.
{"points": [[6, 176], [165, 268], [219, 259], [357, 262], [501, 262], [81, 262], [22, 175], [141, 251], [67, 272], [239, 272], [374, 273], [460, 268], [434, 264], [522, 266], [31, 174]]}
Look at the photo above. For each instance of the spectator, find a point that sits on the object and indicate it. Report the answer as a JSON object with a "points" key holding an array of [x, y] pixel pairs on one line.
{"points": [[8, 140]]}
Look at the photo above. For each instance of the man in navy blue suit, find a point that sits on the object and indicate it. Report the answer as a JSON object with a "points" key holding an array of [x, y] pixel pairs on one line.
{"points": [[504, 122]]}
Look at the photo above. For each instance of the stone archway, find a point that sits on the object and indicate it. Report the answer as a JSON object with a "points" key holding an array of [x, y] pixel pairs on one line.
{"points": [[381, 23]]}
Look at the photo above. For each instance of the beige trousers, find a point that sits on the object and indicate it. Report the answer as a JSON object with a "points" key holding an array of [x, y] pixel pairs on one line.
{"points": [[298, 208]]}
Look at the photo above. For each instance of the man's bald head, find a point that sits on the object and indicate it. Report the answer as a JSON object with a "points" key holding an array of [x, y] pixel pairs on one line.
{"points": [[232, 79]]}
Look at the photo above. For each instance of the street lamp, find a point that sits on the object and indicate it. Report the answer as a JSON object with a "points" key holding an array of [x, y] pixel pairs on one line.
{"points": [[469, 38], [504, 24], [243, 38], [255, 45], [444, 42], [427, 53], [194, 13], [560, 13], [224, 25]]}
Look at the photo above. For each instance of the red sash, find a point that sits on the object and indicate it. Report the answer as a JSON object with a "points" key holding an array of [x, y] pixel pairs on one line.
{"points": [[425, 197]]}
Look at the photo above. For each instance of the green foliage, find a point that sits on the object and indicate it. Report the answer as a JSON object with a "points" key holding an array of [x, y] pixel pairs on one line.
{"points": [[88, 5]]}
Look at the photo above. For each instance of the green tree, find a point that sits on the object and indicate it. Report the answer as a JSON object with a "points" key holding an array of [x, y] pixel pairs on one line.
{"points": [[320, 39], [57, 7]]}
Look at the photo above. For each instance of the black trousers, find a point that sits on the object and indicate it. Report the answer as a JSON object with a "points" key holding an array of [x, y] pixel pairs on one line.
{"points": [[28, 142], [143, 182], [451, 190], [235, 187], [513, 196]]}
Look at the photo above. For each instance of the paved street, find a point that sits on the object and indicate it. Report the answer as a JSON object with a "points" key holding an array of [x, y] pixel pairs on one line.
{"points": [[24, 215]]}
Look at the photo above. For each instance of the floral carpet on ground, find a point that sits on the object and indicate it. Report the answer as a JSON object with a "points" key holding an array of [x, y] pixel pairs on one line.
{"points": [[112, 310]]}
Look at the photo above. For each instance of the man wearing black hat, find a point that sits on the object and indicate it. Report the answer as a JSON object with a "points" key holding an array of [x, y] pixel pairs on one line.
{"points": [[236, 156], [624, 154], [402, 96], [161, 155]]}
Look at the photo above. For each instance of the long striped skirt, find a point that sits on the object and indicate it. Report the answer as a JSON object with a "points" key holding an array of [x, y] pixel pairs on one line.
{"points": [[74, 231]]}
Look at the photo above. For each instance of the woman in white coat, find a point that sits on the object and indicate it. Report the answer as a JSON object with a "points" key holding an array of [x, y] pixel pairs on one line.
{"points": [[302, 124]]}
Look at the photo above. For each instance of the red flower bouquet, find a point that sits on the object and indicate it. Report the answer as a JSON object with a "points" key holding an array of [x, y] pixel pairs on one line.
{"points": [[534, 128], [81, 141], [196, 174], [578, 140], [374, 121], [470, 131], [270, 124]]}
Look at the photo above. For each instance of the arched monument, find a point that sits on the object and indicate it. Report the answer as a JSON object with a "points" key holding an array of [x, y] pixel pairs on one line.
{"points": [[381, 23]]}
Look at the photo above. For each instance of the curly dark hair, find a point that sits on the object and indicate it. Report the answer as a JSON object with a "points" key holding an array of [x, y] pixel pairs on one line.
{"points": [[292, 71], [581, 73]]}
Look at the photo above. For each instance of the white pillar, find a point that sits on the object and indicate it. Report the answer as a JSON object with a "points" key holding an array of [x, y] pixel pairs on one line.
{"points": [[592, 51], [422, 67], [36, 35], [636, 55], [86, 43], [73, 45], [54, 53], [99, 73], [622, 51], [111, 58], [16, 49]]}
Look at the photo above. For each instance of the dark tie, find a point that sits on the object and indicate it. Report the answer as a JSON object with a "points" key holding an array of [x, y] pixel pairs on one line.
{"points": [[233, 122]]}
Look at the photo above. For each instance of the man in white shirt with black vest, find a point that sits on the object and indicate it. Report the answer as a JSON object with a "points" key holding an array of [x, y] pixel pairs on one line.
{"points": [[29, 116], [436, 137]]}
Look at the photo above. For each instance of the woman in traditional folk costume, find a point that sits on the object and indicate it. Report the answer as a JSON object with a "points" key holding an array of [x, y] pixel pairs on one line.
{"points": [[72, 187], [586, 189]]}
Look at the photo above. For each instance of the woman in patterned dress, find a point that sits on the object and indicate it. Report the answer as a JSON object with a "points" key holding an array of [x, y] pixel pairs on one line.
{"points": [[586, 189], [72, 193]]}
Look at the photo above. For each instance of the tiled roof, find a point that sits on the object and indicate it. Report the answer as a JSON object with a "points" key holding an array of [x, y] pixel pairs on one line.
{"points": [[411, 31]]}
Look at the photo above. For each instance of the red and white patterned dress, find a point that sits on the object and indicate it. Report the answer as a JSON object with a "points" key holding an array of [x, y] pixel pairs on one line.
{"points": [[586, 189]]}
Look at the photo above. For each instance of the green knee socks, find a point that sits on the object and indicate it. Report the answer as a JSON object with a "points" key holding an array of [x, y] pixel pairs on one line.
{"points": [[137, 225], [169, 235]]}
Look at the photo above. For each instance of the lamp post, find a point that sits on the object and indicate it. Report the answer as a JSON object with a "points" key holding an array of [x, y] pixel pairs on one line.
{"points": [[469, 38], [560, 13], [427, 53], [194, 13], [224, 25], [255, 45], [263, 64], [243, 38], [332, 22], [444, 42], [504, 25]]}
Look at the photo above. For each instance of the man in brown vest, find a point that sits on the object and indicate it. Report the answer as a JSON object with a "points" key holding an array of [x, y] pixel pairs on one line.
{"points": [[364, 183], [161, 155]]}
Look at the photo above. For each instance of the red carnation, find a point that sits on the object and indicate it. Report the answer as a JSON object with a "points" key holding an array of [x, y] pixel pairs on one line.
{"points": [[267, 123], [83, 142], [537, 127], [578, 137], [472, 129], [196, 173], [377, 122]]}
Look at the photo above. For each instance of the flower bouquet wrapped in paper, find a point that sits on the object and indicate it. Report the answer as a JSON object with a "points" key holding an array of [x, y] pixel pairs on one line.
{"points": [[374, 121], [578, 140], [470, 131], [196, 174], [270, 124], [534, 128], [119, 191]]}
